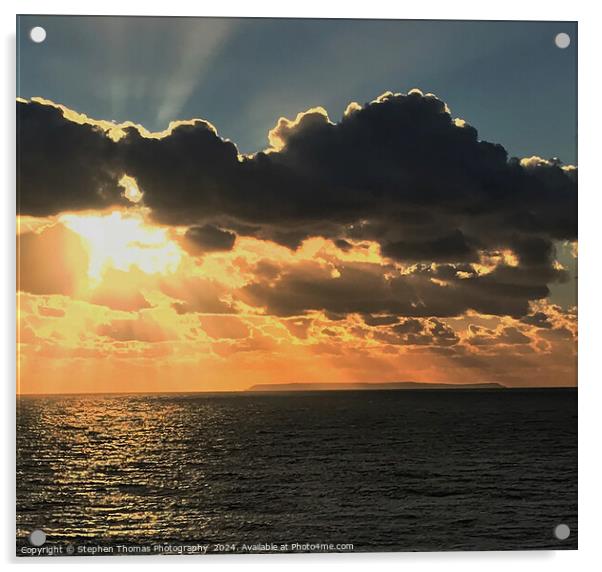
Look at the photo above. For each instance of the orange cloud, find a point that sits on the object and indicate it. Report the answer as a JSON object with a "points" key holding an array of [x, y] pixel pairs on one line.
{"points": [[50, 261], [219, 327]]}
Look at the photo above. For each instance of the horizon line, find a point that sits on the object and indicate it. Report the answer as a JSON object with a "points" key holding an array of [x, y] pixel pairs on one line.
{"points": [[249, 391]]}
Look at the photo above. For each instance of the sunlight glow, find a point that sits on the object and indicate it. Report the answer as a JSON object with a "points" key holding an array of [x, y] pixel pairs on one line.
{"points": [[131, 191], [122, 241]]}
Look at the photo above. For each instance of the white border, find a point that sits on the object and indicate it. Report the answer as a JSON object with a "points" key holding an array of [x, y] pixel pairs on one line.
{"points": [[589, 304]]}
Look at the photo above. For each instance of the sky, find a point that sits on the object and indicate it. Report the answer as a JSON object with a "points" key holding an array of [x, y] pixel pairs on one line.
{"points": [[208, 204], [508, 79]]}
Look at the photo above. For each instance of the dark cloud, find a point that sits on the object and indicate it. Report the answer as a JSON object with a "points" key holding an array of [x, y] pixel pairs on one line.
{"points": [[454, 247], [398, 170], [556, 334], [344, 245], [409, 326], [388, 169], [63, 165], [538, 319], [533, 250], [508, 335], [208, 238], [373, 290], [187, 177], [420, 332], [382, 320]]}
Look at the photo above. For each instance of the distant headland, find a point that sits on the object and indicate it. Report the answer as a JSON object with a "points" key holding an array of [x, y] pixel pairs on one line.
{"points": [[370, 386]]}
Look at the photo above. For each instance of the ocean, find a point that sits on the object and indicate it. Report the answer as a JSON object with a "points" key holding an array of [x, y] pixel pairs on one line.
{"points": [[405, 470]]}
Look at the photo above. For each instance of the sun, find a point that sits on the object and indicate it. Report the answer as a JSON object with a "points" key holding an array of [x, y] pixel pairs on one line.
{"points": [[123, 241]]}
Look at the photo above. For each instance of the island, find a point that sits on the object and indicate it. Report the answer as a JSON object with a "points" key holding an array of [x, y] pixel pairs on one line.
{"points": [[354, 386]]}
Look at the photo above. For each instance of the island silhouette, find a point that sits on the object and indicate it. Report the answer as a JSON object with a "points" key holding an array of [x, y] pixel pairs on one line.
{"points": [[340, 386]]}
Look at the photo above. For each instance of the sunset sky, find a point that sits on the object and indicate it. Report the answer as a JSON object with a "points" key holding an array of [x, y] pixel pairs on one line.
{"points": [[211, 204]]}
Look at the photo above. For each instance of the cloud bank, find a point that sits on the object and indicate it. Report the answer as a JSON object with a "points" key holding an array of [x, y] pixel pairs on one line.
{"points": [[460, 226]]}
